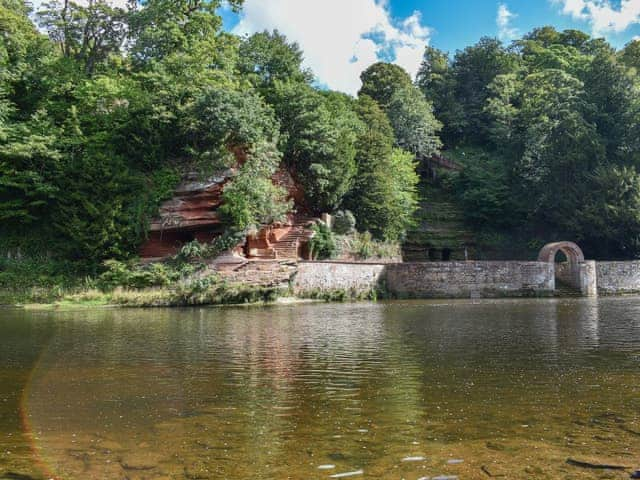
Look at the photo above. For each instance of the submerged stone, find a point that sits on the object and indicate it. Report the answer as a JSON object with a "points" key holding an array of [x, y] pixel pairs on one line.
{"points": [[140, 460], [348, 474]]}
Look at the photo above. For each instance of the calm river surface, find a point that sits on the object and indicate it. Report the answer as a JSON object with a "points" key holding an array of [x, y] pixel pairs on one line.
{"points": [[401, 390]]}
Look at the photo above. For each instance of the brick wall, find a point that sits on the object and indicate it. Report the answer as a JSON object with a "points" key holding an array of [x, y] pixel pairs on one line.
{"points": [[431, 280], [327, 276], [470, 279], [616, 278]]}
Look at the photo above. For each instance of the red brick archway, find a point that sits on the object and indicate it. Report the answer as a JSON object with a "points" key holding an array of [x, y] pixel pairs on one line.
{"points": [[572, 251], [567, 273]]}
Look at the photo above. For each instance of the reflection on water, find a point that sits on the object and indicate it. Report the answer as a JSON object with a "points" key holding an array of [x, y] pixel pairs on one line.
{"points": [[391, 390]]}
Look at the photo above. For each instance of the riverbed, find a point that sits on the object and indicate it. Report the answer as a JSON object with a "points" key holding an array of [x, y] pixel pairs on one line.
{"points": [[540, 388]]}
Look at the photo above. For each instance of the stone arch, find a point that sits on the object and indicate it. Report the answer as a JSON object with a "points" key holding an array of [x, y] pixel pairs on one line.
{"points": [[567, 274], [572, 251]]}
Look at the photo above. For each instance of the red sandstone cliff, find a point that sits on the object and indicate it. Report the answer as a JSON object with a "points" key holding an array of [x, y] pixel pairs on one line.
{"points": [[192, 214]]}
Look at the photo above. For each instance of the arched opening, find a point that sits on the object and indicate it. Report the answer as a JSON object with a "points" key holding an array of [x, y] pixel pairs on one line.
{"points": [[566, 258], [561, 257], [446, 254]]}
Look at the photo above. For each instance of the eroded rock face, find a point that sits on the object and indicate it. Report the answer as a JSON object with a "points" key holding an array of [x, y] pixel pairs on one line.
{"points": [[192, 214]]}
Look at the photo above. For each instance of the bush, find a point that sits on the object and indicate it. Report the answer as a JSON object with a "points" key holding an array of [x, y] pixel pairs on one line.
{"points": [[194, 251], [191, 251], [363, 246], [344, 222], [128, 275], [228, 240], [323, 243]]}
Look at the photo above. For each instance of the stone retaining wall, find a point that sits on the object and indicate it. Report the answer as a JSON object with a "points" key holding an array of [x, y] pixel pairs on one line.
{"points": [[329, 276], [618, 278], [470, 279], [430, 280]]}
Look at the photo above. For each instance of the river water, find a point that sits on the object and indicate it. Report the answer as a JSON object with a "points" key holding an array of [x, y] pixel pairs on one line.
{"points": [[399, 390]]}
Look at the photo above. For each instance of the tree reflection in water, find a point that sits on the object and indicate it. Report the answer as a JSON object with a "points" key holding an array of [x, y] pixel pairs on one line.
{"points": [[276, 392]]}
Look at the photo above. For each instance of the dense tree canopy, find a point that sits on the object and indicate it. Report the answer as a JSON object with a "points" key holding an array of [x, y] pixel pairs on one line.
{"points": [[102, 114], [547, 123], [384, 194], [409, 111], [382, 80]]}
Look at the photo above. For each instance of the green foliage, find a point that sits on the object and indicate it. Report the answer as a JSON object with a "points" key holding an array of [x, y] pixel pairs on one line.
{"points": [[195, 252], [223, 118], [177, 31], [265, 57], [99, 220], [382, 80], [483, 189], [344, 222], [225, 242], [207, 290], [609, 220], [436, 81], [342, 295], [190, 252], [553, 125], [318, 141], [94, 136], [610, 88], [133, 275], [459, 91], [474, 69], [416, 129], [630, 55], [252, 199], [90, 34], [204, 292], [384, 196], [29, 163], [323, 243], [364, 247], [409, 112]]}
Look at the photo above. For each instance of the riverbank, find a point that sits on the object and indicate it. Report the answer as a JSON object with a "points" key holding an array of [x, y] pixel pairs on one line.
{"points": [[159, 285], [223, 294]]}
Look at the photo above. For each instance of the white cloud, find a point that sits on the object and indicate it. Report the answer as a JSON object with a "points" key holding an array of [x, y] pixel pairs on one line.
{"points": [[602, 15], [340, 38], [503, 20]]}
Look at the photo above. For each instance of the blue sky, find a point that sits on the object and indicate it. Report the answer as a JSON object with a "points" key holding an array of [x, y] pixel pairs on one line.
{"points": [[460, 23], [342, 37]]}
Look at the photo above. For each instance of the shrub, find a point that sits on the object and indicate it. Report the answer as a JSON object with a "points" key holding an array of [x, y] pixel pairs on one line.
{"points": [[344, 222], [191, 251], [363, 245], [323, 243], [128, 275], [228, 240]]}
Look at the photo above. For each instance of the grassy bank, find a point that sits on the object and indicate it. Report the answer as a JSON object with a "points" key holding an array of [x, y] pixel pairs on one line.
{"points": [[222, 294], [171, 296], [177, 282]]}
